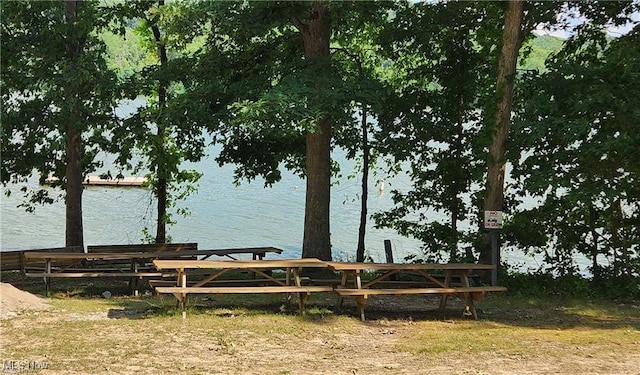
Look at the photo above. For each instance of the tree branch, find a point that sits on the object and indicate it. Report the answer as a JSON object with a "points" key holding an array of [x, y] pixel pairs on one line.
{"points": [[298, 24]]}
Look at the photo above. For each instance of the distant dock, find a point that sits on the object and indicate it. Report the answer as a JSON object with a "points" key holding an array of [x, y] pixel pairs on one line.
{"points": [[98, 181]]}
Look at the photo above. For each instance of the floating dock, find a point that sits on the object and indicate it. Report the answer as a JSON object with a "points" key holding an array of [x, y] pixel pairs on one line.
{"points": [[125, 181], [98, 181]]}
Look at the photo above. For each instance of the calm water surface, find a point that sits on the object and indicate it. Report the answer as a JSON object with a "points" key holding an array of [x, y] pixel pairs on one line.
{"points": [[221, 215]]}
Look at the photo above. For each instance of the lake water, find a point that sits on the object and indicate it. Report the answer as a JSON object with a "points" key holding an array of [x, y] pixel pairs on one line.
{"points": [[221, 215]]}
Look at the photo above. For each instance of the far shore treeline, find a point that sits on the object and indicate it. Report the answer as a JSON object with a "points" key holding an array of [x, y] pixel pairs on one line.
{"points": [[465, 98]]}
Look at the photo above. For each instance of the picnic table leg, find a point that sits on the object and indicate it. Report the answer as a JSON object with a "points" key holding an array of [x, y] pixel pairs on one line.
{"points": [[182, 303], [133, 282], [182, 299], [47, 280], [470, 309], [447, 284], [294, 272], [343, 284], [358, 280], [301, 298], [361, 301]]}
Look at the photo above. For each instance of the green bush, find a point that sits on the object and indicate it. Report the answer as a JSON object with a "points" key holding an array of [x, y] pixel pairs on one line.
{"points": [[542, 284]]}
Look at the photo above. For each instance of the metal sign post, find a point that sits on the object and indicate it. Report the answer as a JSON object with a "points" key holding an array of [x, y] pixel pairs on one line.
{"points": [[493, 222]]}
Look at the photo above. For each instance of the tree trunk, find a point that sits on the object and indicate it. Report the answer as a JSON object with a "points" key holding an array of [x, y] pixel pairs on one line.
{"points": [[595, 269], [623, 266], [162, 177], [74, 235], [316, 34], [458, 150], [511, 42], [317, 242], [365, 188]]}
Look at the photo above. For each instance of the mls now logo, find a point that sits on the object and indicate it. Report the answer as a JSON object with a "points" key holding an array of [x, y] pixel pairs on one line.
{"points": [[21, 366]]}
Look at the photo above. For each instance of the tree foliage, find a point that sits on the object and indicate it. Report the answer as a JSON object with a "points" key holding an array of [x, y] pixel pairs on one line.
{"points": [[162, 134], [578, 135], [432, 127], [58, 99]]}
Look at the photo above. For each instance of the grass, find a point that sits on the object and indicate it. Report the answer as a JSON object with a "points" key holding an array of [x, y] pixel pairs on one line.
{"points": [[251, 334]]}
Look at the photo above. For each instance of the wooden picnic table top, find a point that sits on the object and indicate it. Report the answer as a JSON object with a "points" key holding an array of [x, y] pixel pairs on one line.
{"points": [[147, 254], [352, 266], [38, 255], [240, 264]]}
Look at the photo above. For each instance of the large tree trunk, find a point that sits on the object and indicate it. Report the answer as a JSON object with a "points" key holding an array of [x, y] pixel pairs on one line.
{"points": [[74, 148], [74, 235], [317, 242], [511, 42], [162, 177], [316, 35]]}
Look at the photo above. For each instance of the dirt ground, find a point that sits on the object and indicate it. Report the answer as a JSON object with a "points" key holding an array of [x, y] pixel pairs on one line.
{"points": [[14, 301], [126, 341]]}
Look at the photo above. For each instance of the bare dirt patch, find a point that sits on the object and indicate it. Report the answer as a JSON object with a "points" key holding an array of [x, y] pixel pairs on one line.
{"points": [[14, 301]]}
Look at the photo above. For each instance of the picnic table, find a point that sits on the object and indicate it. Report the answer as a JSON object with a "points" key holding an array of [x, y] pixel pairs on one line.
{"points": [[184, 250], [83, 265], [291, 284], [137, 264], [456, 282]]}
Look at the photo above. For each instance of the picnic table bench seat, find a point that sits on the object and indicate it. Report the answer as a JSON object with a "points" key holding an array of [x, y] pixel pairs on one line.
{"points": [[469, 295], [244, 289], [94, 274], [257, 253], [476, 290], [255, 282], [304, 292]]}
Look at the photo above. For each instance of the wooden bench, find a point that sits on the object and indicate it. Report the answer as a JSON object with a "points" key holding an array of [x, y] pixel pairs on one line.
{"points": [[469, 294]]}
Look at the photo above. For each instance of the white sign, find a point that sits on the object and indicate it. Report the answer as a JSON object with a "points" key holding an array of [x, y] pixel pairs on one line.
{"points": [[493, 219]]}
